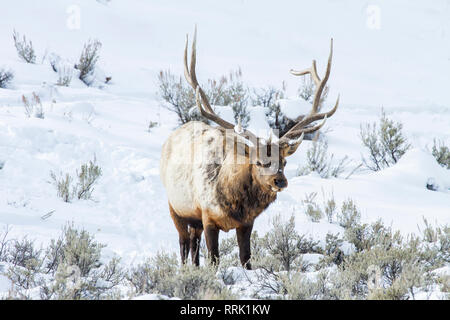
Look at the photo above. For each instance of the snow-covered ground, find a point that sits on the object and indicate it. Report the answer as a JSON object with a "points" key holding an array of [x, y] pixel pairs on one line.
{"points": [[394, 55]]}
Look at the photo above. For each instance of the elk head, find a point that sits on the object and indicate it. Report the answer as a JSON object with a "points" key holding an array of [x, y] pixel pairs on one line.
{"points": [[266, 158]]}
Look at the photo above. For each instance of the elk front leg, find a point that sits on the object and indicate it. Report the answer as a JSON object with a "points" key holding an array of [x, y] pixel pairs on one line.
{"points": [[196, 235], [243, 238], [212, 242]]}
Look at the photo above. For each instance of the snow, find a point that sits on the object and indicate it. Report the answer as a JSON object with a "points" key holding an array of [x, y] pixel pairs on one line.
{"points": [[292, 108], [403, 67], [153, 297]]}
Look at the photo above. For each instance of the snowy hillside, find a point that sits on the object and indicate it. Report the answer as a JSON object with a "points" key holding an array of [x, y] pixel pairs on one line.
{"points": [[400, 61]]}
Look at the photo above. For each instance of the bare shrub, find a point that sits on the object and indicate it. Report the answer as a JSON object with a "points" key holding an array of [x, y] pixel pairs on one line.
{"points": [[365, 236], [221, 293], [438, 238], [66, 284], [282, 242], [193, 283], [20, 252], [63, 186], [296, 286], [332, 253], [386, 144], [64, 70], [319, 161], [385, 265], [154, 275], [285, 245], [5, 78], [397, 272], [268, 99], [65, 75], [313, 211], [350, 215], [23, 277], [151, 125], [76, 272], [25, 263], [24, 48], [329, 207], [441, 153], [4, 244], [307, 89], [88, 60], [74, 247], [403, 287], [54, 61], [238, 96], [33, 106], [216, 91], [162, 275], [87, 176], [179, 97], [227, 91]]}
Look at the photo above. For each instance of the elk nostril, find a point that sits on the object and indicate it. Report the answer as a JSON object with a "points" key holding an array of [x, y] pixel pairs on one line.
{"points": [[280, 183]]}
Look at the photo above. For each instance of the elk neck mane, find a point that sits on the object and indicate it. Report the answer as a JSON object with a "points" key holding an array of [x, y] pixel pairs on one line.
{"points": [[238, 192]]}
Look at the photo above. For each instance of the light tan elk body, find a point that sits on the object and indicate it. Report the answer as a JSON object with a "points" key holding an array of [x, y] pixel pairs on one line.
{"points": [[222, 178]]}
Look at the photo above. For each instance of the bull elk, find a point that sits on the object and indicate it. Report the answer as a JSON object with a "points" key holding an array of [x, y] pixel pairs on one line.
{"points": [[222, 178]]}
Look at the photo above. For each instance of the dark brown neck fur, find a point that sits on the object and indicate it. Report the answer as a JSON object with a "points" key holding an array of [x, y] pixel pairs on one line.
{"points": [[241, 195]]}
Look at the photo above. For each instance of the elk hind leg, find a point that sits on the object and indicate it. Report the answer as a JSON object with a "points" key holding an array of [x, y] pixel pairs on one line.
{"points": [[182, 227]]}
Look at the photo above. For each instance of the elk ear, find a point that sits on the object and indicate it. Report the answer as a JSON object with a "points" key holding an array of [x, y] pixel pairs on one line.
{"points": [[288, 148]]}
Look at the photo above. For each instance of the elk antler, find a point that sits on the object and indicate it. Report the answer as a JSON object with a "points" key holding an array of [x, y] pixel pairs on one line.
{"points": [[300, 127], [202, 99]]}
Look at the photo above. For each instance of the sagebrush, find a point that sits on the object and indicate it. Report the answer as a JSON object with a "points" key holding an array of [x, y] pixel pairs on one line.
{"points": [[88, 60], [24, 48], [320, 161], [6, 76], [385, 142], [228, 90], [33, 106], [441, 153], [69, 268], [88, 174]]}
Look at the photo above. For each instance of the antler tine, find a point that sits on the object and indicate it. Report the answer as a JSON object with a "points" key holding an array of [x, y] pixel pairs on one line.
{"points": [[211, 116], [201, 99], [320, 84], [312, 71], [186, 69], [191, 76], [299, 127]]}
